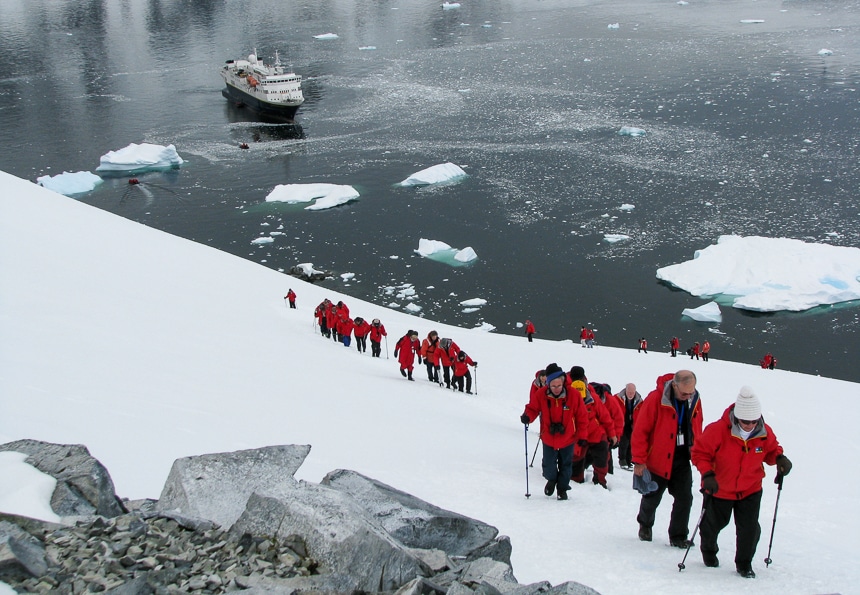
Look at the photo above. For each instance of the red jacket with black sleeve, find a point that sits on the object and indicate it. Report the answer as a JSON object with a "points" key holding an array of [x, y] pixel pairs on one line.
{"points": [[738, 464], [566, 409]]}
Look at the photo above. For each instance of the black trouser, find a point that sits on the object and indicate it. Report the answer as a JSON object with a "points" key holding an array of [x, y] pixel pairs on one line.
{"points": [[747, 529], [625, 456], [680, 486], [458, 382], [361, 343], [324, 329], [293, 305], [432, 371], [375, 348], [530, 337], [446, 373], [597, 455], [556, 465]]}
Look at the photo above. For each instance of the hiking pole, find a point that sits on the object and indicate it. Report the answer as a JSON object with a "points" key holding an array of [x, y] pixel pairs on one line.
{"points": [[778, 482], [699, 522], [532, 464], [476, 381], [386, 346], [526, 426]]}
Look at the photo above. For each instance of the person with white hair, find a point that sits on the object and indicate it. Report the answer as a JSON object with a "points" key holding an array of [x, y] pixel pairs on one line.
{"points": [[730, 455]]}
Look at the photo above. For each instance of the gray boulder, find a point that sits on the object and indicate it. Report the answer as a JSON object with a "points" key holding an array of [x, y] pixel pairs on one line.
{"points": [[217, 486], [338, 533], [414, 522], [84, 486], [21, 554]]}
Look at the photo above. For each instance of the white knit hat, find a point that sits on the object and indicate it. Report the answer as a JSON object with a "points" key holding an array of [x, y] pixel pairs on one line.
{"points": [[747, 406]]}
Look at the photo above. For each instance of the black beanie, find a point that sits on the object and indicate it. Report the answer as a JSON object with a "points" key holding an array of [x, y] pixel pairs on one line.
{"points": [[553, 371], [577, 373]]}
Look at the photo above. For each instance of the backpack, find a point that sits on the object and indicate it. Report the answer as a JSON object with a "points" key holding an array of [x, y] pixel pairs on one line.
{"points": [[603, 390], [445, 344]]}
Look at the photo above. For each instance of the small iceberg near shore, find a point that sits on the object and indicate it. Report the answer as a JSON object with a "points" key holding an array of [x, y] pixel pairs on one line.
{"points": [[631, 131], [437, 174], [710, 312], [325, 36], [444, 253], [327, 196], [70, 183], [139, 158]]}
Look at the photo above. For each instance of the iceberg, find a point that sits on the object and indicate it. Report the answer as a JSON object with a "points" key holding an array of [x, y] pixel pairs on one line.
{"points": [[770, 274], [450, 5], [410, 307], [615, 237], [710, 312], [626, 207], [139, 158], [263, 240], [613, 26], [825, 52], [751, 21], [326, 36], [444, 253], [437, 174], [631, 131], [326, 195], [70, 183], [474, 302]]}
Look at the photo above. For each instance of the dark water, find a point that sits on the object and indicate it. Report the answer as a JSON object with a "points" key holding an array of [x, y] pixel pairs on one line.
{"points": [[750, 131]]}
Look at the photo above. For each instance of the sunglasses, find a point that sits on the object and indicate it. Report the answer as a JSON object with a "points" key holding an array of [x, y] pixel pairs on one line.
{"points": [[747, 422]]}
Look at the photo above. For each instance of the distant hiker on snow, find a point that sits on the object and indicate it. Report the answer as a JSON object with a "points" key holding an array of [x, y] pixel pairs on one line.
{"points": [[706, 350], [694, 351], [530, 330], [429, 349], [668, 424], [377, 331], [675, 345], [643, 345], [322, 319], [291, 296], [563, 421], [360, 332], [405, 351], [768, 361], [448, 351], [730, 455], [461, 370]]}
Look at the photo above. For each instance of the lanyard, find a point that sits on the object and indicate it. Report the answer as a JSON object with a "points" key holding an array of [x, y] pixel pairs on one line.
{"points": [[679, 408]]}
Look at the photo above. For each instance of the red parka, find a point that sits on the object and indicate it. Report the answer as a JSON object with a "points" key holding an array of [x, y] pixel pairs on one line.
{"points": [[738, 464], [600, 422], [461, 366], [447, 355], [405, 351], [656, 429], [567, 409], [377, 332], [430, 350], [361, 329], [613, 406], [530, 327]]}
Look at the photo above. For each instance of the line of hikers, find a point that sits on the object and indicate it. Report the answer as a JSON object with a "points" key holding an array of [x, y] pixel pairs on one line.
{"points": [[658, 438], [335, 324]]}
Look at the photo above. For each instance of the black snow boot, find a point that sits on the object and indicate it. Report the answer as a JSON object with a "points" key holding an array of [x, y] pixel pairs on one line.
{"points": [[710, 559], [644, 533], [562, 495], [549, 488]]}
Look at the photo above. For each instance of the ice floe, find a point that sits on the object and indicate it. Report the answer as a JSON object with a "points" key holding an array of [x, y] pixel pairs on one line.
{"points": [[450, 5], [631, 131], [709, 312], [263, 240], [825, 52], [626, 207], [437, 174], [326, 196], [769, 274], [325, 36], [442, 252], [615, 237], [70, 183], [138, 158], [474, 302]]}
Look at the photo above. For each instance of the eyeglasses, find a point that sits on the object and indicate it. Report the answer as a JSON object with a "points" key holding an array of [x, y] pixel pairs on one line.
{"points": [[747, 422]]}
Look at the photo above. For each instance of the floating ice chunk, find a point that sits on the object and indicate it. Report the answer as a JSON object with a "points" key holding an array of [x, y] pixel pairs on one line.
{"points": [[485, 326], [264, 240], [367, 47], [444, 172], [770, 274], [751, 21], [138, 158], [615, 237], [450, 5], [476, 302], [308, 270], [682, 3], [467, 254], [469, 310], [70, 183], [825, 52], [412, 307], [631, 131], [326, 36], [626, 207], [613, 26], [710, 312], [326, 195], [430, 247], [347, 276]]}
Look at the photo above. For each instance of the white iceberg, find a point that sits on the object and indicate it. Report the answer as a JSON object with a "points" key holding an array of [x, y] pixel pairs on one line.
{"points": [[263, 240], [474, 302], [410, 307], [326, 195], [626, 207], [326, 36], [442, 252], [710, 312], [631, 131], [825, 52], [751, 21], [770, 274], [70, 183], [308, 269], [613, 26], [615, 237], [437, 174], [450, 5], [347, 276], [138, 158], [367, 47]]}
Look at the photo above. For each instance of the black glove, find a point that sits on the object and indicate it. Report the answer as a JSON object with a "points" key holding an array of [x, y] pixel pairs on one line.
{"points": [[525, 419], [783, 465], [475, 364], [709, 483], [419, 360], [582, 443]]}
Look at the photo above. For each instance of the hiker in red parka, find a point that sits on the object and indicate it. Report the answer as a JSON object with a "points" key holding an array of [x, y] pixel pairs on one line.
{"points": [[291, 296], [600, 426], [675, 345], [447, 354], [563, 421], [320, 314], [695, 350], [616, 411], [331, 319], [342, 309], [377, 331], [583, 335], [706, 350], [538, 383], [461, 370], [344, 329], [360, 332], [730, 455], [429, 349], [643, 345], [530, 330], [668, 424], [405, 351]]}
